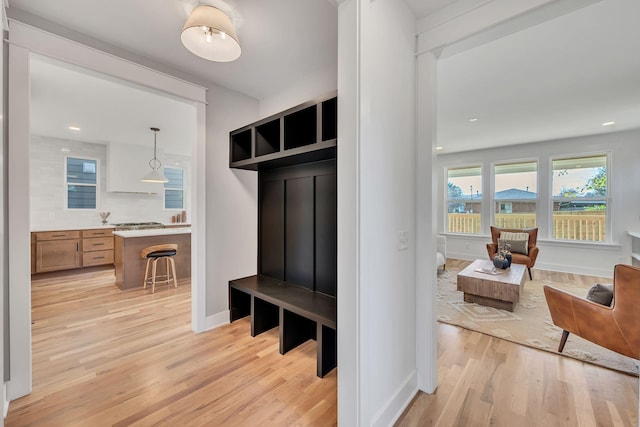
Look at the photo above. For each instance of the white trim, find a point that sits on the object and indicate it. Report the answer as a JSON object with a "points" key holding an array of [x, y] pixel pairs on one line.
{"points": [[198, 224], [428, 179], [389, 413], [48, 44], [19, 224], [5, 402], [217, 320]]}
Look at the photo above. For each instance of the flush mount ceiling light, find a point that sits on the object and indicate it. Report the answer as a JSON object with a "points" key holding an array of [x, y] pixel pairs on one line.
{"points": [[210, 34], [155, 175]]}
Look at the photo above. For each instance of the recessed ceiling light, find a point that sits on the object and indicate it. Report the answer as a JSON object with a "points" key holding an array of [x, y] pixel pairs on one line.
{"points": [[65, 149], [438, 148], [73, 128], [473, 119], [608, 123]]}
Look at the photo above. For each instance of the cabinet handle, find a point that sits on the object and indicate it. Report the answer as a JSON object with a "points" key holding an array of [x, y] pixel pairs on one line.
{"points": [[58, 235], [77, 246], [98, 244], [98, 257]]}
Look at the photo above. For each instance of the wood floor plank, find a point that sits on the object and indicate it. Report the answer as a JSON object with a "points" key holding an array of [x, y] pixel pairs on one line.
{"points": [[102, 357]]}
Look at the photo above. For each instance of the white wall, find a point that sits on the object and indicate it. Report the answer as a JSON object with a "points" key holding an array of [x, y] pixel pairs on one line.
{"points": [[383, 170], [47, 187], [312, 86], [231, 202], [583, 258]]}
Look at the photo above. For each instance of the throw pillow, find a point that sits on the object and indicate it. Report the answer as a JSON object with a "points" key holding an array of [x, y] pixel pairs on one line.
{"points": [[519, 241], [602, 294]]}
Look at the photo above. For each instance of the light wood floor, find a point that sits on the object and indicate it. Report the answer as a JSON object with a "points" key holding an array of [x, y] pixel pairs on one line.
{"points": [[103, 357], [488, 381]]}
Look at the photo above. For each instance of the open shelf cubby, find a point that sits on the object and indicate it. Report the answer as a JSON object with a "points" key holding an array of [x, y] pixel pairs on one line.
{"points": [[241, 146], [268, 138], [305, 133], [330, 119], [300, 128]]}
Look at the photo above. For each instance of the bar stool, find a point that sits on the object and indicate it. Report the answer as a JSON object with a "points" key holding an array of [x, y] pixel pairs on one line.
{"points": [[153, 254]]}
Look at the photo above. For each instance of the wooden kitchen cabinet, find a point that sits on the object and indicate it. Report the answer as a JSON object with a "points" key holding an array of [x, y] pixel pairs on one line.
{"points": [[68, 249], [97, 247], [54, 255]]}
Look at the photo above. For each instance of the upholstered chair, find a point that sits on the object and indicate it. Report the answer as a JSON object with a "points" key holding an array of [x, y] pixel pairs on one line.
{"points": [[616, 327], [532, 250], [441, 252]]}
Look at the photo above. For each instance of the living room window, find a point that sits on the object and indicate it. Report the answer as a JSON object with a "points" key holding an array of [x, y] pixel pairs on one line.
{"points": [[81, 183], [580, 198], [464, 200], [515, 194]]}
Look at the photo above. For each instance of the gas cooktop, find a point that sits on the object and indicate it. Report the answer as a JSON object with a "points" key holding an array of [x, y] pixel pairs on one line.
{"points": [[137, 225]]}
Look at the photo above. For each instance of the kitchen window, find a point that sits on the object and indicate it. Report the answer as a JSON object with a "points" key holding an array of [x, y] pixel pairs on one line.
{"points": [[81, 183], [174, 188]]}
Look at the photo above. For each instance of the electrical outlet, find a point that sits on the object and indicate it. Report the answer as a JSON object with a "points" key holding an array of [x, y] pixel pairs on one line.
{"points": [[403, 240]]}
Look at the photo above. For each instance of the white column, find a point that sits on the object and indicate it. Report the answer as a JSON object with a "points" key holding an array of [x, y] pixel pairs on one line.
{"points": [[427, 181]]}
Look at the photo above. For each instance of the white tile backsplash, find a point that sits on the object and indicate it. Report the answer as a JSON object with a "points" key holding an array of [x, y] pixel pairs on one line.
{"points": [[48, 186]]}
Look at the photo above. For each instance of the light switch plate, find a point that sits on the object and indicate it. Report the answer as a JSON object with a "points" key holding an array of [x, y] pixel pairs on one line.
{"points": [[403, 240]]}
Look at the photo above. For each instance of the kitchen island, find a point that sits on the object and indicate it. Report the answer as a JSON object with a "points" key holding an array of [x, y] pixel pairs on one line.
{"points": [[130, 266]]}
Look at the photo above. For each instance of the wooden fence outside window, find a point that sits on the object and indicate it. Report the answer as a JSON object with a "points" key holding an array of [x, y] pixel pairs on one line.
{"points": [[583, 225]]}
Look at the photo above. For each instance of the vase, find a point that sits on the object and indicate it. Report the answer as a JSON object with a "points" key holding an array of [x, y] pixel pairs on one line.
{"points": [[500, 262], [508, 257]]}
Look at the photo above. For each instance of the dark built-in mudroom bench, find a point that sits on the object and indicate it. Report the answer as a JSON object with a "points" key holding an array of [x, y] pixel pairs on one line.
{"points": [[300, 313]]}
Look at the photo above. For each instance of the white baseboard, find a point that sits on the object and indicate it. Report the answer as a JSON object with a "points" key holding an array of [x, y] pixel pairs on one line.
{"points": [[6, 402], [395, 406], [216, 320]]}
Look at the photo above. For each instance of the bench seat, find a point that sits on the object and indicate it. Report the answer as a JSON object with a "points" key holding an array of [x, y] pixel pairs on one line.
{"points": [[300, 313]]}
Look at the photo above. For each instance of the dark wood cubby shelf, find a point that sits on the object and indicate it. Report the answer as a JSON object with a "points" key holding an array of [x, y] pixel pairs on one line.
{"points": [[305, 133], [295, 289]]}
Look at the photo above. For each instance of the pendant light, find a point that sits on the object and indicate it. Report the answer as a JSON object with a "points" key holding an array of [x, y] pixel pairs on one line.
{"points": [[155, 176]]}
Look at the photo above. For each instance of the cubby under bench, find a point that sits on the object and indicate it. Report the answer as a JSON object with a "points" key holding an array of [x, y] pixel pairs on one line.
{"points": [[300, 313]]}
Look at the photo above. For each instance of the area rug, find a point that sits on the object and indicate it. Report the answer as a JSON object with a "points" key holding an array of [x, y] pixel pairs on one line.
{"points": [[529, 324]]}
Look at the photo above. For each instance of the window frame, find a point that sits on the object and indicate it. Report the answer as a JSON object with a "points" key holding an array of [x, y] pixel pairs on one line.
{"points": [[67, 183], [479, 200], [181, 189], [493, 199], [607, 199]]}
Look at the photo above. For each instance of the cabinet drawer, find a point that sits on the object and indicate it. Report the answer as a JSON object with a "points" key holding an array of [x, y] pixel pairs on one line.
{"points": [[98, 232], [57, 235], [97, 244], [97, 258]]}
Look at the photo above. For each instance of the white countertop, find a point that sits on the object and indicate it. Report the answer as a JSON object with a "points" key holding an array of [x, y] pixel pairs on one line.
{"points": [[152, 232], [38, 228]]}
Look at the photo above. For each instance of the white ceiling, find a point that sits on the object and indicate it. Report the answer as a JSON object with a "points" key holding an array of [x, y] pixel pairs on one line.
{"points": [[557, 79], [562, 78], [105, 109], [282, 40]]}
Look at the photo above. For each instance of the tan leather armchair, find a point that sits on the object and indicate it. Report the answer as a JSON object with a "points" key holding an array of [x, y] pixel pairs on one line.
{"points": [[616, 328], [528, 260]]}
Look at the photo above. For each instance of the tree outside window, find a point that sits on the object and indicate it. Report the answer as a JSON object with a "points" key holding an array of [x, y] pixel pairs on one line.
{"points": [[580, 198]]}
